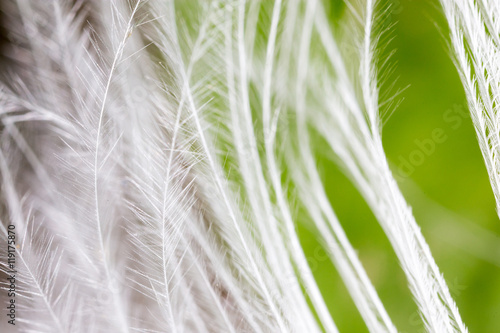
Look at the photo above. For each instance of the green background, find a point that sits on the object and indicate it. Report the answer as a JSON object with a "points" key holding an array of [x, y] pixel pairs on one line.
{"points": [[448, 187]]}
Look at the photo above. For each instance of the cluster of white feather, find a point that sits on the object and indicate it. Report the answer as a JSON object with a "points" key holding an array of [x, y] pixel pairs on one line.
{"points": [[142, 163]]}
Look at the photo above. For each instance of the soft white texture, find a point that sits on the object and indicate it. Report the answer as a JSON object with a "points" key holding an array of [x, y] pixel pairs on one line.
{"points": [[143, 159], [475, 39]]}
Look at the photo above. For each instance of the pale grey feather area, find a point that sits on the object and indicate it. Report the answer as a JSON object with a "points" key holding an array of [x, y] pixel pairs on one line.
{"points": [[154, 154]]}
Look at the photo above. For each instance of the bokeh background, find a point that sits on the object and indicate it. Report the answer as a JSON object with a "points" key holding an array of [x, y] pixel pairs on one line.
{"points": [[431, 144]]}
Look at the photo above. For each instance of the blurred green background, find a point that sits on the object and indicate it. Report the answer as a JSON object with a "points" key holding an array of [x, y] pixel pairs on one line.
{"points": [[442, 176]]}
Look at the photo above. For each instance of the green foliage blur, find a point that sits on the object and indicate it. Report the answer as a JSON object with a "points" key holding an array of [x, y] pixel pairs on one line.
{"points": [[431, 144]]}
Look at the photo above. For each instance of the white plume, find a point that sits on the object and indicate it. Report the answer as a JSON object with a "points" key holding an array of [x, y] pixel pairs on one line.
{"points": [[153, 154], [346, 112], [475, 39]]}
